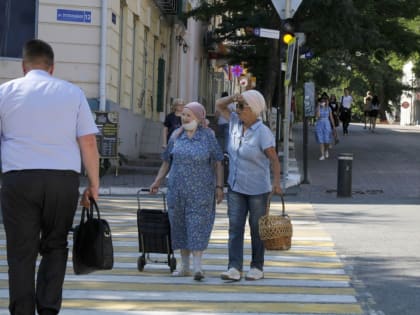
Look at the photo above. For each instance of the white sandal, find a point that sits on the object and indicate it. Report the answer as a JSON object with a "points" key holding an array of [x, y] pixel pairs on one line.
{"points": [[181, 273]]}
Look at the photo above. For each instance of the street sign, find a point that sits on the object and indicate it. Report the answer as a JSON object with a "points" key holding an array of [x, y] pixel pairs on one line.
{"points": [[286, 9], [301, 38], [309, 99], [267, 33], [74, 16]]}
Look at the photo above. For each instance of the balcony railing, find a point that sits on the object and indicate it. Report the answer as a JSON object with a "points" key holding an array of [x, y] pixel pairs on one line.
{"points": [[170, 7]]}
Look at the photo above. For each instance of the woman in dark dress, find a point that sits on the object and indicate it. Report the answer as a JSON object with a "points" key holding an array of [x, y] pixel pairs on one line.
{"points": [[172, 120]]}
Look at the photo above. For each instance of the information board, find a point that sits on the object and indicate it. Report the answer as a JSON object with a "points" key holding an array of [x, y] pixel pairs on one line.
{"points": [[309, 99], [107, 138]]}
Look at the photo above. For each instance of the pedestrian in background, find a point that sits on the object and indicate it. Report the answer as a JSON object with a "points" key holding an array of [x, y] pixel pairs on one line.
{"points": [[172, 120], [367, 100], [193, 159], [292, 116], [345, 110], [324, 126], [335, 109], [374, 110], [251, 151], [223, 124], [47, 130]]}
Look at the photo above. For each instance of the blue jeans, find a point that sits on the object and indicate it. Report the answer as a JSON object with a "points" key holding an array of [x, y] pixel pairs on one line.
{"points": [[239, 205], [223, 136]]}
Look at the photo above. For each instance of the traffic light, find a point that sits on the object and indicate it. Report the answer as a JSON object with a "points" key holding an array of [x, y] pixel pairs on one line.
{"points": [[287, 31]]}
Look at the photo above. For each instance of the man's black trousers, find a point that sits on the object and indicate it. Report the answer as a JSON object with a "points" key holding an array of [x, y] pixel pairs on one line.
{"points": [[38, 208]]}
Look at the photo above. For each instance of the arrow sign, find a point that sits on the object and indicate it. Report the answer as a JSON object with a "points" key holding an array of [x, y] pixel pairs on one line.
{"points": [[267, 33]]}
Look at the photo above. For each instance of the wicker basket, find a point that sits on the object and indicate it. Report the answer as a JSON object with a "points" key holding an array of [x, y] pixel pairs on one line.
{"points": [[276, 230]]}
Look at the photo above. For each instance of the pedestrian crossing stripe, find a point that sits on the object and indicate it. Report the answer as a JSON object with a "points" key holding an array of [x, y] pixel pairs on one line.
{"points": [[199, 287], [212, 308], [307, 279]]}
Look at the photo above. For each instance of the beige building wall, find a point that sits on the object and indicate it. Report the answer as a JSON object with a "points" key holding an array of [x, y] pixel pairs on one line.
{"points": [[138, 35]]}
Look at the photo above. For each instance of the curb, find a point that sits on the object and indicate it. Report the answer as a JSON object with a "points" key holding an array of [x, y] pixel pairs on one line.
{"points": [[293, 179]]}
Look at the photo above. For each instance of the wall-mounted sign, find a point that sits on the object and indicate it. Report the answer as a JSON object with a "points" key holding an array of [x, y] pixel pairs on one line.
{"points": [[243, 82], [78, 16], [107, 138], [405, 104], [237, 70]]}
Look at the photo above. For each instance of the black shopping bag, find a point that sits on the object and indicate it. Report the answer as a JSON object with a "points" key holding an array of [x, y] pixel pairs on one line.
{"points": [[92, 242]]}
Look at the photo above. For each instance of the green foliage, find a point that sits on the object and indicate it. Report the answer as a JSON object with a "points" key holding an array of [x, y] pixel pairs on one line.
{"points": [[362, 44]]}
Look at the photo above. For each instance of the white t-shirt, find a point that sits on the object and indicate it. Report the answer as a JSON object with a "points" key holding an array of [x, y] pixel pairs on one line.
{"points": [[346, 101], [41, 118]]}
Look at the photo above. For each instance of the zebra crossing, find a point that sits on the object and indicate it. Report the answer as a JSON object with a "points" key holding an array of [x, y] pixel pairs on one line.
{"points": [[307, 279]]}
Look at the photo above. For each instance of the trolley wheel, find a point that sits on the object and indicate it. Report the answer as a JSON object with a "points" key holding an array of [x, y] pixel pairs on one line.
{"points": [[172, 264], [141, 262]]}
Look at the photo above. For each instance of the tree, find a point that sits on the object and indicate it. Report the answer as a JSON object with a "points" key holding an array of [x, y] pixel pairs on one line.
{"points": [[355, 42]]}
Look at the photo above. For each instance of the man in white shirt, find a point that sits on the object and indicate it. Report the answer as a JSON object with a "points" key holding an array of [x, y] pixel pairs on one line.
{"points": [[47, 130], [345, 110]]}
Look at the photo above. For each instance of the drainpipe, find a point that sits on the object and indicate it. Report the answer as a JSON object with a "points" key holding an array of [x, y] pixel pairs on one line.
{"points": [[102, 73]]}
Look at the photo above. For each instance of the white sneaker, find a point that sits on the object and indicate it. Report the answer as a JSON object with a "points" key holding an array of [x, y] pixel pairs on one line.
{"points": [[181, 273], [231, 274], [327, 155], [254, 274], [322, 158]]}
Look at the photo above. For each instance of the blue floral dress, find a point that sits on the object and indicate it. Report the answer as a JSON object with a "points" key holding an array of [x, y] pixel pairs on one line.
{"points": [[323, 130], [191, 187]]}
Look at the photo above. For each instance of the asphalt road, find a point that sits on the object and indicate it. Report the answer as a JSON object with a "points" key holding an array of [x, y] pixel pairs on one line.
{"points": [[377, 230]]}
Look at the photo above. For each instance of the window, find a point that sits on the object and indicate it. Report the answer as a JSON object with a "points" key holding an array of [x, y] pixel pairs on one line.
{"points": [[17, 25]]}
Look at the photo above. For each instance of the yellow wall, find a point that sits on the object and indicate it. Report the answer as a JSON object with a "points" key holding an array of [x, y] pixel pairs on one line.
{"points": [[77, 50]]}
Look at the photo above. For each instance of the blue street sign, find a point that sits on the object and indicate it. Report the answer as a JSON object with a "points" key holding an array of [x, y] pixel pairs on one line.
{"points": [[309, 54], [74, 16]]}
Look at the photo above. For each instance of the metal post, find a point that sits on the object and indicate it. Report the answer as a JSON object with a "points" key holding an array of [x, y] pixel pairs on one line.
{"points": [[279, 99], [305, 150], [286, 122]]}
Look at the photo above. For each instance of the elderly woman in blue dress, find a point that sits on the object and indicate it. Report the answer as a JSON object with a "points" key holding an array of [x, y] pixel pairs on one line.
{"points": [[251, 151], [193, 159], [324, 127]]}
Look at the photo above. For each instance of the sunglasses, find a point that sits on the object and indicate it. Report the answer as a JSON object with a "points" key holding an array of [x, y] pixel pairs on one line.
{"points": [[242, 105]]}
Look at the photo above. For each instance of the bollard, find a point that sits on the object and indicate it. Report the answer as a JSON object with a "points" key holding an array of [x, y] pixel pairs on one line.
{"points": [[345, 161]]}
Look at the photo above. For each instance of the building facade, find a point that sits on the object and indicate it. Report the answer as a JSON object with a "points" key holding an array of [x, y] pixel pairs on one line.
{"points": [[129, 56], [410, 98]]}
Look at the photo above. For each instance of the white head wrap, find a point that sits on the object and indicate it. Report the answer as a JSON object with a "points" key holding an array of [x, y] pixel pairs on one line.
{"points": [[255, 101]]}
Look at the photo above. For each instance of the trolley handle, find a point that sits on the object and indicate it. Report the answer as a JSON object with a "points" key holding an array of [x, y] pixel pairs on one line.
{"points": [[146, 191]]}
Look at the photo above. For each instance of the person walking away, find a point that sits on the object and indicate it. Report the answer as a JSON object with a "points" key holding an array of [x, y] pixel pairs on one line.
{"points": [[223, 124], [292, 116], [345, 113], [324, 127], [193, 159], [374, 110], [335, 108], [172, 120], [47, 130], [251, 151], [366, 108]]}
